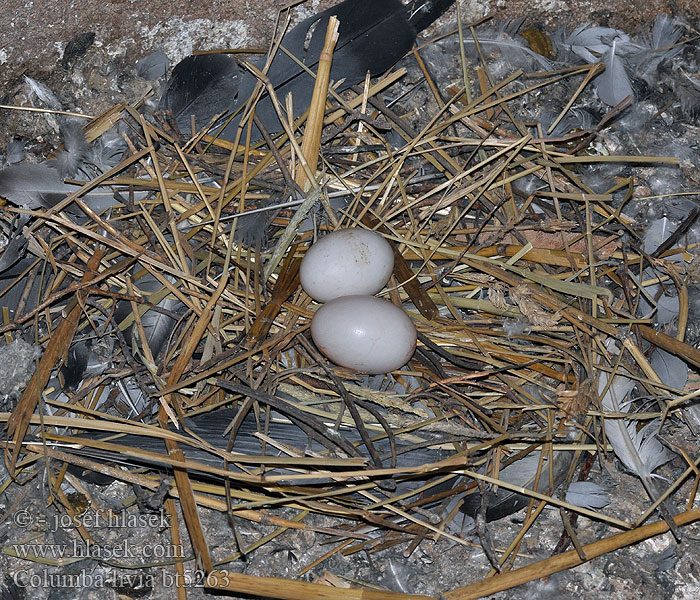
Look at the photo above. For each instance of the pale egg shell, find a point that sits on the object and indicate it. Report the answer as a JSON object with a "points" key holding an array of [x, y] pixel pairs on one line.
{"points": [[364, 333], [346, 262]]}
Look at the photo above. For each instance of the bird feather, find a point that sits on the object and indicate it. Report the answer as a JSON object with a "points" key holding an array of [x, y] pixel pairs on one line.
{"points": [[672, 371], [201, 86], [14, 152], [590, 43], [639, 450], [655, 48], [74, 366], [107, 150], [613, 85], [373, 36], [656, 233], [157, 325], [75, 149], [687, 89], [153, 66], [41, 186], [513, 48], [423, 13], [15, 250], [663, 299], [522, 473], [43, 94], [587, 494]]}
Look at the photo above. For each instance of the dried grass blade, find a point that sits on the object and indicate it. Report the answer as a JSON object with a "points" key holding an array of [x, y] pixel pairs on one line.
{"points": [[56, 350], [289, 589]]}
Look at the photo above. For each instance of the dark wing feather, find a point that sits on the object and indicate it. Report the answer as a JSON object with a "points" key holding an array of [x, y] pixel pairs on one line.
{"points": [[15, 250], [156, 325], [201, 86], [373, 36], [211, 427], [423, 13], [74, 367]]}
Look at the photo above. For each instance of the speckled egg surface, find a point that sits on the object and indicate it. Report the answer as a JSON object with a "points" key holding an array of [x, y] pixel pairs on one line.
{"points": [[364, 333], [346, 262]]}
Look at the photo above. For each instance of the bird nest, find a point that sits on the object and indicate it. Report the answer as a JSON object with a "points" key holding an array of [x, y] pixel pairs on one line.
{"points": [[175, 348]]}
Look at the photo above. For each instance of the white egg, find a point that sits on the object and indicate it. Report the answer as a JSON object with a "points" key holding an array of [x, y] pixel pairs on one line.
{"points": [[346, 262], [364, 333]]}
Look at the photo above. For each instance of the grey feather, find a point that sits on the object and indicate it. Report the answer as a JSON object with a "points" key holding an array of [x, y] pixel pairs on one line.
{"points": [[666, 302], [75, 149], [590, 43], [607, 45], [613, 85], [80, 160], [687, 89], [86, 359], [587, 494], [153, 66], [252, 230], [657, 233], [107, 150], [672, 371], [522, 473], [575, 118], [14, 152], [18, 360], [40, 186], [43, 94], [158, 326], [667, 559], [639, 450], [15, 250], [657, 47], [514, 49]]}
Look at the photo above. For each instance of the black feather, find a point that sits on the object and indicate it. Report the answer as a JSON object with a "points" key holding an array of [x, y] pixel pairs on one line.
{"points": [[15, 250], [86, 359], [74, 367], [201, 86], [212, 426], [373, 36], [423, 13], [157, 325]]}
